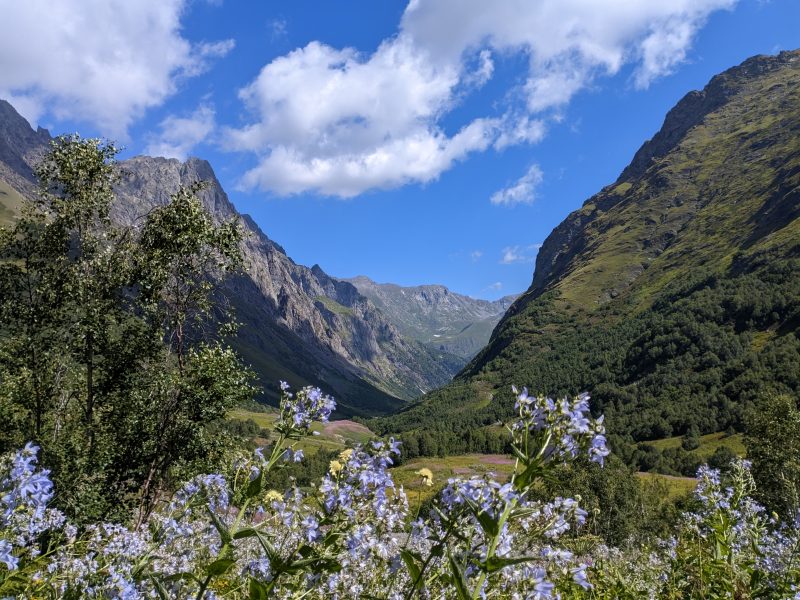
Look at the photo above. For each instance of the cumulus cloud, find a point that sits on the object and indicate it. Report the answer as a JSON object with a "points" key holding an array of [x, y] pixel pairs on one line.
{"points": [[341, 122], [519, 254], [100, 61], [179, 135], [523, 191]]}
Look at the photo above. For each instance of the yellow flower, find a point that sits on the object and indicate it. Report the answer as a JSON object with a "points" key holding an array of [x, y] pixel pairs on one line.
{"points": [[427, 476], [273, 495], [335, 467], [345, 455]]}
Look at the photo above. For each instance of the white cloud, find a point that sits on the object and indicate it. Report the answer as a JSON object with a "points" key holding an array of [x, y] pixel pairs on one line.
{"points": [[278, 29], [520, 130], [495, 287], [179, 135], [215, 49], [99, 61], [567, 42], [519, 254], [475, 255], [340, 122], [523, 191]]}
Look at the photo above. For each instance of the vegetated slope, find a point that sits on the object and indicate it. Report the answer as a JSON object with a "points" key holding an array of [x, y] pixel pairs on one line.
{"points": [[673, 295], [436, 316], [298, 324]]}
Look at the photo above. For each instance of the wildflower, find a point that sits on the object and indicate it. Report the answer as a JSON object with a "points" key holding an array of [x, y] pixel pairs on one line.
{"points": [[579, 577], [259, 569], [335, 467], [541, 587], [290, 455], [6, 556], [273, 496], [427, 476], [299, 411]]}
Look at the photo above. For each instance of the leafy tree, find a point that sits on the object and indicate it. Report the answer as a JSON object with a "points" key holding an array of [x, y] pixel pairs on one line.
{"points": [[773, 446], [112, 357]]}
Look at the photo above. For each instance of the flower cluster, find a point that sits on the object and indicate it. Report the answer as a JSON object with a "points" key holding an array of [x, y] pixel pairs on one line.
{"points": [[563, 427], [300, 410], [24, 515], [728, 547], [232, 535]]}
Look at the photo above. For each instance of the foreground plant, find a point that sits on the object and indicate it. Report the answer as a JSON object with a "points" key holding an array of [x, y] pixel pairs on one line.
{"points": [[484, 538], [231, 535], [727, 548]]}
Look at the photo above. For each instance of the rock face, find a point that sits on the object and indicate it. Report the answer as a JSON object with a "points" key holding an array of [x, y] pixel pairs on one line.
{"points": [[299, 324], [673, 294], [435, 316]]}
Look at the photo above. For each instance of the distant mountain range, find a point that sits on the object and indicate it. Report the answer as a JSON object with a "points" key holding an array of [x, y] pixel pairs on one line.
{"points": [[435, 316], [300, 324], [673, 294]]}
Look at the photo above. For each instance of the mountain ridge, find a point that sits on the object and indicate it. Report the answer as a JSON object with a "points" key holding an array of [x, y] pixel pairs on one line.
{"points": [[290, 330], [673, 294], [435, 315]]}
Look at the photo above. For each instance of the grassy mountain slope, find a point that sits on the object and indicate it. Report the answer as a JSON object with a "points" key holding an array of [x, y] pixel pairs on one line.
{"points": [[11, 203], [673, 295]]}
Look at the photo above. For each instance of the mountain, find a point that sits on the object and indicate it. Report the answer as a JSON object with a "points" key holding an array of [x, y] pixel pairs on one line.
{"points": [[673, 294], [435, 316], [299, 324]]}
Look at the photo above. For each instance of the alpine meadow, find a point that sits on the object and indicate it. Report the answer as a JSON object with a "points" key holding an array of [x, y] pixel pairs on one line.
{"points": [[485, 386]]}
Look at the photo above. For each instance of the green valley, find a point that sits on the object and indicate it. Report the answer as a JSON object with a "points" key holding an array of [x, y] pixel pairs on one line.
{"points": [[673, 295]]}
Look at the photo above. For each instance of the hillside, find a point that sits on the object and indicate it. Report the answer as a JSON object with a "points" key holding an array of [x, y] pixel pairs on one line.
{"points": [[299, 324], [672, 295], [436, 316]]}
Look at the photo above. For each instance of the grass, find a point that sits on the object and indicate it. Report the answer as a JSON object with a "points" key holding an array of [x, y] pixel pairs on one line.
{"points": [[675, 486], [332, 436], [10, 204], [708, 444], [334, 306], [463, 465]]}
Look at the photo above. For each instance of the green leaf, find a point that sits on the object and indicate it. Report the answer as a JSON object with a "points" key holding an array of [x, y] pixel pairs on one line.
{"points": [[268, 548], [245, 533], [258, 591], [186, 576], [459, 579], [224, 532], [255, 486], [160, 589], [495, 563], [413, 570], [488, 524], [220, 566], [519, 454]]}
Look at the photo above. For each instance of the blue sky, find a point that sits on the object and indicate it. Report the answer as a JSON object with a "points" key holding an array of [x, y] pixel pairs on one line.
{"points": [[430, 142]]}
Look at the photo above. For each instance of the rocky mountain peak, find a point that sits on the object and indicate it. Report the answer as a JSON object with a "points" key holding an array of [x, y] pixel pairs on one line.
{"points": [[692, 109]]}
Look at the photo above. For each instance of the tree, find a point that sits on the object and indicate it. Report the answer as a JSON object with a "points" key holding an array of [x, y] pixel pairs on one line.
{"points": [[112, 355], [773, 445]]}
